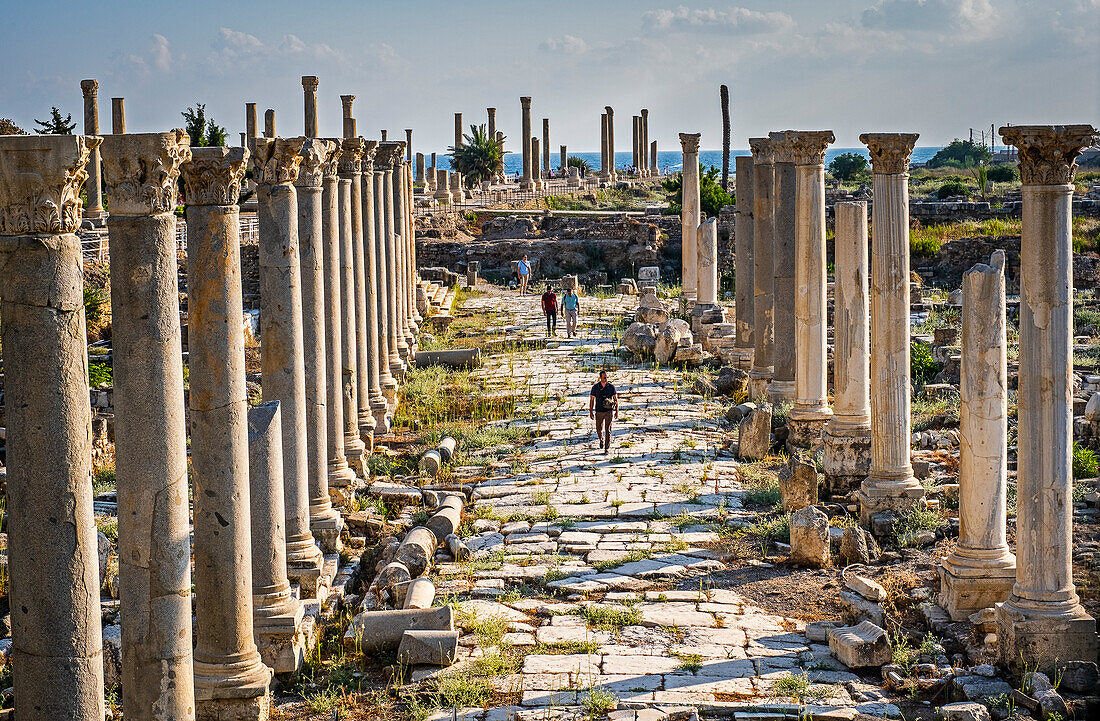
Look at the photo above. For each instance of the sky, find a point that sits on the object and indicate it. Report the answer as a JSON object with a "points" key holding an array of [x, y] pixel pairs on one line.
{"points": [[937, 67]]}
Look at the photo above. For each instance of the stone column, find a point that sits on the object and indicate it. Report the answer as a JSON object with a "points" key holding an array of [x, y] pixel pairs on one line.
{"points": [[707, 250], [387, 339], [811, 404], [351, 169], [387, 250], [269, 123], [309, 89], [231, 680], [118, 116], [525, 133], [250, 120], [339, 473], [645, 143], [151, 424], [563, 158], [383, 136], [1043, 620], [636, 142], [492, 117], [324, 522], [415, 319], [689, 215], [741, 353], [93, 211], [654, 169], [275, 165], [536, 167], [981, 570], [372, 404], [350, 216], [847, 435], [611, 142], [763, 280], [546, 147], [605, 172], [890, 485], [276, 613], [442, 192], [52, 556], [408, 144], [392, 215], [348, 120], [420, 181], [458, 130], [782, 386]]}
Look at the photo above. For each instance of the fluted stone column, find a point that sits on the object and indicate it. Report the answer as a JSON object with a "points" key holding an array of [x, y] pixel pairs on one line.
{"points": [[689, 214], [324, 522], [275, 165], [890, 485], [151, 425], [118, 116], [387, 339], [309, 90], [357, 334], [276, 613], [52, 558], [458, 130], [372, 404], [741, 353], [231, 680], [350, 216], [645, 144], [546, 147], [339, 473], [387, 250], [611, 142], [1043, 620], [847, 435], [781, 389], [415, 319], [348, 126], [605, 166], [763, 279], [980, 571], [392, 216], [93, 187], [811, 404], [250, 121], [525, 133]]}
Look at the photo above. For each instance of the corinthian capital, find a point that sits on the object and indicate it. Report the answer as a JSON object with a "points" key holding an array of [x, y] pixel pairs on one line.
{"points": [[90, 88], [807, 147], [690, 142], [370, 150], [276, 160], [351, 160], [781, 146], [388, 155], [40, 179], [1047, 152], [331, 166], [314, 156], [310, 83], [889, 151], [761, 151], [213, 177], [141, 170]]}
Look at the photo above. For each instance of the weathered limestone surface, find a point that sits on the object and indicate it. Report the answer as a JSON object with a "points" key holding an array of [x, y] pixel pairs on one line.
{"points": [[362, 186], [350, 215], [1043, 619], [890, 485], [52, 558], [230, 677], [763, 280], [397, 348], [689, 215], [276, 164], [782, 385], [981, 570], [371, 400], [383, 297], [151, 424], [741, 355], [525, 133], [810, 537], [847, 435]]}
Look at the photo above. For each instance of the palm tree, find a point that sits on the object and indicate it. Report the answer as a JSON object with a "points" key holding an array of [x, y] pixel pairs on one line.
{"points": [[725, 92], [479, 158]]}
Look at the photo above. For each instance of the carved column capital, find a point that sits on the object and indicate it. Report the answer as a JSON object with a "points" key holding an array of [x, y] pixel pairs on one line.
{"points": [[761, 151], [889, 151], [40, 179], [807, 147], [213, 177], [609, 110], [346, 101], [690, 142], [781, 146], [388, 155], [276, 161], [1047, 152], [351, 159], [90, 88], [314, 156], [370, 150], [310, 83], [141, 170], [332, 163], [525, 102]]}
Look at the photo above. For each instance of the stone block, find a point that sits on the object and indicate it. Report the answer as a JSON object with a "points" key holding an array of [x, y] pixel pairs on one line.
{"points": [[798, 482], [436, 648], [810, 537], [861, 646], [754, 433], [859, 608], [964, 711], [640, 339]]}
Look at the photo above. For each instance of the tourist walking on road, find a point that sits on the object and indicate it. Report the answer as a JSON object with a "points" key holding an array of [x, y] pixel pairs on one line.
{"points": [[602, 403], [570, 307], [550, 310], [524, 275]]}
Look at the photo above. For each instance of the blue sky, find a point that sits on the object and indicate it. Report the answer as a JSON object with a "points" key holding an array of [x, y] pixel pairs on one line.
{"points": [[937, 67]]}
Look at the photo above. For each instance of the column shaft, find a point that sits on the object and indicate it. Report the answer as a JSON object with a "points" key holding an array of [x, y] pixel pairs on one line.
{"points": [[94, 185], [372, 404], [611, 142], [689, 215], [782, 386], [354, 447], [383, 299], [525, 133], [763, 280], [743, 257], [309, 91]]}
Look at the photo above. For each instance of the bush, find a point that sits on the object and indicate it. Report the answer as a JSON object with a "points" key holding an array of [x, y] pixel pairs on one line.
{"points": [[1004, 173], [847, 166], [922, 366], [1084, 462], [952, 187], [960, 154], [711, 195], [925, 246]]}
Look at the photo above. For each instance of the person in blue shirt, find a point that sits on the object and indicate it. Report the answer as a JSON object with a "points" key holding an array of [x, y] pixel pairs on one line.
{"points": [[570, 308], [524, 275]]}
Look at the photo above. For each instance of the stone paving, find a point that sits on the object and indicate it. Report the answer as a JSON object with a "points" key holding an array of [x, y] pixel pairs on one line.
{"points": [[576, 557]]}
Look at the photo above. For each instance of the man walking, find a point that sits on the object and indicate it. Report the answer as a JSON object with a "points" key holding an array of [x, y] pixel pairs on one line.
{"points": [[570, 307], [602, 403], [550, 310], [524, 275]]}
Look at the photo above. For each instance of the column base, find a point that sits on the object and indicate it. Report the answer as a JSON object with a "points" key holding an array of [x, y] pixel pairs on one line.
{"points": [[758, 384], [847, 457], [303, 566], [243, 709], [964, 591], [340, 473], [781, 391], [877, 495], [1036, 634], [397, 370], [326, 529], [804, 426], [233, 691], [355, 451], [382, 420], [281, 640], [739, 357]]}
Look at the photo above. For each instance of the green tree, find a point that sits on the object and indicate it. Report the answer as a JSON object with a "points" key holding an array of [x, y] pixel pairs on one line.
{"points": [[56, 125], [711, 195], [8, 127], [574, 162], [960, 154], [204, 132], [848, 166], [479, 157]]}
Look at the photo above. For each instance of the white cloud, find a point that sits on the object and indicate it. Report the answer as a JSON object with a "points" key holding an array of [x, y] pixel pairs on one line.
{"points": [[737, 20], [949, 16], [161, 53], [566, 45]]}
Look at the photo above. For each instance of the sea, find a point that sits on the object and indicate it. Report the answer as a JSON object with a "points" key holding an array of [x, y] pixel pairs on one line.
{"points": [[670, 161]]}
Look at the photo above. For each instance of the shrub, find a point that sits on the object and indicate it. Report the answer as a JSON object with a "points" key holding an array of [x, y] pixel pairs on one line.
{"points": [[924, 246], [847, 166], [1084, 462], [1004, 173], [922, 366], [960, 154], [711, 195], [952, 187]]}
